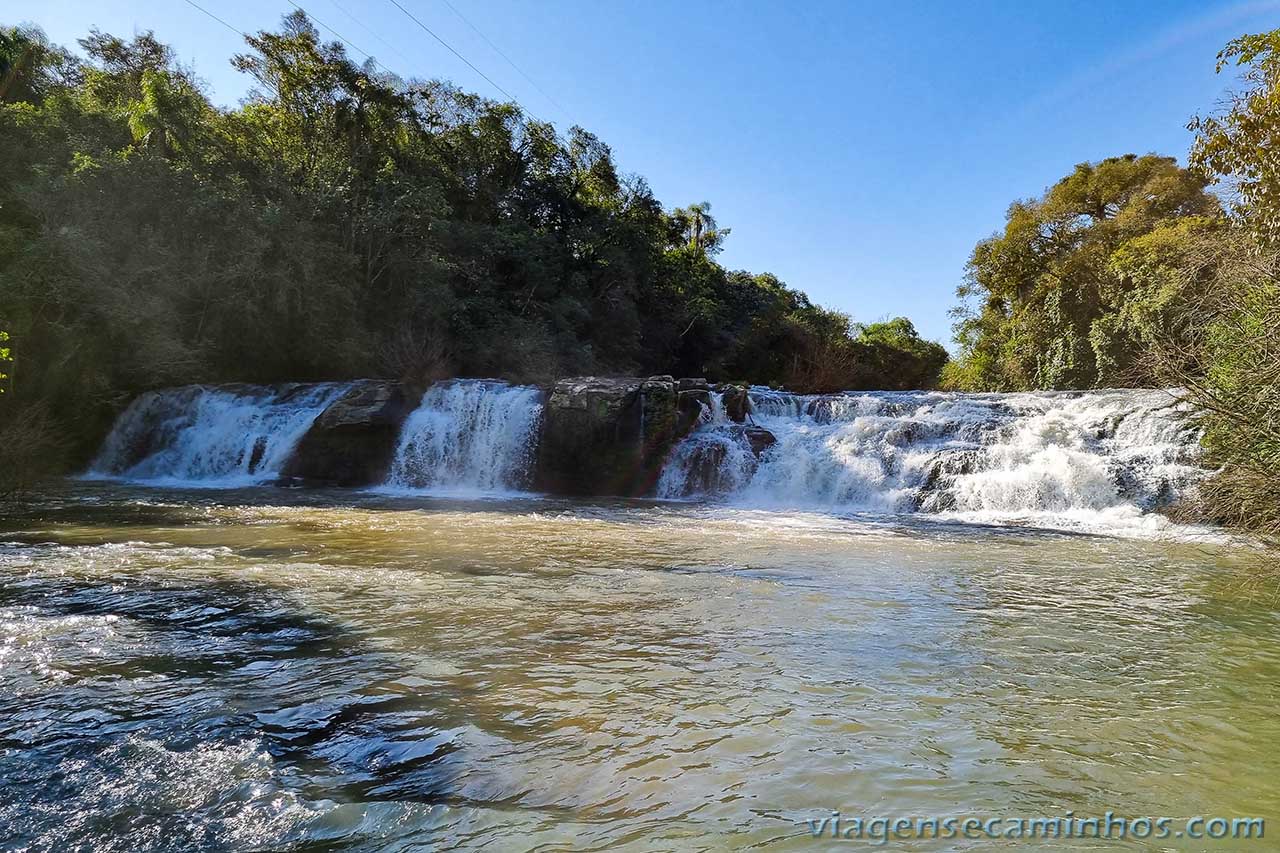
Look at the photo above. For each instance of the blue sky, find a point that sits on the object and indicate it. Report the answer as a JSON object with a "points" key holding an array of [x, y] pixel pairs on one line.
{"points": [[858, 150]]}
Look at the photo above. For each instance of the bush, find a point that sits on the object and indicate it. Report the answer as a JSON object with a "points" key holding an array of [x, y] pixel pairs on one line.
{"points": [[1238, 396], [30, 449]]}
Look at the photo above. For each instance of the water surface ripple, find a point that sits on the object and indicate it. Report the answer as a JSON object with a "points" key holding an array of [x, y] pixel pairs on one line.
{"points": [[271, 670]]}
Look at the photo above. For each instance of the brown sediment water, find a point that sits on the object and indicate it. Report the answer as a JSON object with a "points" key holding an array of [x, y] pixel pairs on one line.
{"points": [[270, 670]]}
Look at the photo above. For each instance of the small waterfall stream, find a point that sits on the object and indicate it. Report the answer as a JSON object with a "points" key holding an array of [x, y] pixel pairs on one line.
{"points": [[220, 436], [979, 456], [469, 436]]}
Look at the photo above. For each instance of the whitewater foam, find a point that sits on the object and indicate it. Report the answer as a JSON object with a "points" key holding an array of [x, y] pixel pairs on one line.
{"points": [[1099, 458], [468, 438], [220, 436]]}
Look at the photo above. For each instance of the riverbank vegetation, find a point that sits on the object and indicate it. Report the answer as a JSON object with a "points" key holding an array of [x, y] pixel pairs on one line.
{"points": [[344, 223], [1129, 272], [341, 223]]}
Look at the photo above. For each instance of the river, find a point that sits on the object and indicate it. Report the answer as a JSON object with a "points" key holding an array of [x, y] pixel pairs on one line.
{"points": [[887, 606], [271, 669]]}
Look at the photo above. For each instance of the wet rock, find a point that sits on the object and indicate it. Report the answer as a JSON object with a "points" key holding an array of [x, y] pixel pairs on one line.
{"points": [[607, 435], [1135, 482], [737, 401], [704, 471], [935, 491], [759, 438], [948, 465], [259, 450], [691, 404], [695, 384], [905, 434], [937, 502], [352, 442]]}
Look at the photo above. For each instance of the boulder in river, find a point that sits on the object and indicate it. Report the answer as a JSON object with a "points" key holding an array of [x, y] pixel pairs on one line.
{"points": [[759, 438], [607, 436], [352, 442], [691, 405], [737, 401], [935, 492]]}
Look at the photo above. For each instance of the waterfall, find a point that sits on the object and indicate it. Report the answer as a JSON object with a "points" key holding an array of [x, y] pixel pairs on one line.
{"points": [[211, 436], [1109, 456], [977, 456], [469, 436], [716, 459]]}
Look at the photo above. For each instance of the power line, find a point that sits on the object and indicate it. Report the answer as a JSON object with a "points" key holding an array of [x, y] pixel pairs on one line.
{"points": [[413, 18], [372, 32], [343, 39], [498, 51], [336, 34], [429, 32], [235, 30], [195, 5]]}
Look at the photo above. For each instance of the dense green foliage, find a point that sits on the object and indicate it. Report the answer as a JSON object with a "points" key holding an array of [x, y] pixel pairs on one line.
{"points": [[1063, 297], [1240, 146], [1238, 387], [340, 223]]}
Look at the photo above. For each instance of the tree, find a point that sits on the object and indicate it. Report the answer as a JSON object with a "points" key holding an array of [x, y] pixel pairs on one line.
{"points": [[30, 67], [343, 223], [167, 115], [698, 228], [1040, 300], [1231, 373], [1242, 146], [898, 357]]}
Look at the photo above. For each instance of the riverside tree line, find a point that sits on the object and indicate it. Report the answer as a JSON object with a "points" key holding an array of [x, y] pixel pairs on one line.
{"points": [[344, 223]]}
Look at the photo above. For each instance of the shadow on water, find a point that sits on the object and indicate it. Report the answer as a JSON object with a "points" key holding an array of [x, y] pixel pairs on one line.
{"points": [[124, 699], [119, 504]]}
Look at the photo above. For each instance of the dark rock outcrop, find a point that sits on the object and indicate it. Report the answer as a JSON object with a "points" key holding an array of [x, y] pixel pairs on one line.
{"points": [[352, 442], [703, 462], [935, 492], [759, 438], [607, 436], [693, 399], [737, 401]]}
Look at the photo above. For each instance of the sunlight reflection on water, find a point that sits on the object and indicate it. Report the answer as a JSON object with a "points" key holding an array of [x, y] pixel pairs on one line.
{"points": [[269, 669]]}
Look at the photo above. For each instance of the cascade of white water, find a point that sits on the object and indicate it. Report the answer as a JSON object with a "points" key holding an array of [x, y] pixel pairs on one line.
{"points": [[470, 436], [211, 436], [715, 459], [994, 455]]}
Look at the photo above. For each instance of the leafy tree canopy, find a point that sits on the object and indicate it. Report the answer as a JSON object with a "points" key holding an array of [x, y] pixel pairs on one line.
{"points": [[1054, 300], [1241, 147], [344, 223]]}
